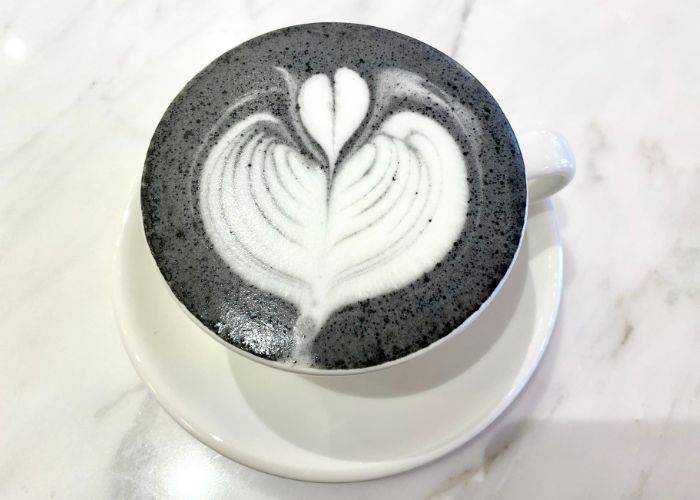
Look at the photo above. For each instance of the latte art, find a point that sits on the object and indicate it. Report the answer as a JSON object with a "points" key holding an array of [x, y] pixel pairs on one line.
{"points": [[344, 206], [333, 196]]}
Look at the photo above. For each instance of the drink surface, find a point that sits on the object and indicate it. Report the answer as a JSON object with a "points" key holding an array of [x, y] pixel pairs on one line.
{"points": [[333, 195]]}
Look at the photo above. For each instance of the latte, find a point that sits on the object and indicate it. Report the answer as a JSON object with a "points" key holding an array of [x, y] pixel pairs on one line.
{"points": [[333, 195]]}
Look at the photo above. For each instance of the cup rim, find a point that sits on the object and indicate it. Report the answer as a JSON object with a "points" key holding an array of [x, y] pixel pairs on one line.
{"points": [[332, 372]]}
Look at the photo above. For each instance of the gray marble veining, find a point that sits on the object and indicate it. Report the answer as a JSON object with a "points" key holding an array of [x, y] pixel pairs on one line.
{"points": [[612, 412]]}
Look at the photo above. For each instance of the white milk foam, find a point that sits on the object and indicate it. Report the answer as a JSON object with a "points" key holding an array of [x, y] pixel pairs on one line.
{"points": [[323, 239]]}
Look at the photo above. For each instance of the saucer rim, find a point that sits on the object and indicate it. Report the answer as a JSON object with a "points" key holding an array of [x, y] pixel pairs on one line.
{"points": [[353, 470]]}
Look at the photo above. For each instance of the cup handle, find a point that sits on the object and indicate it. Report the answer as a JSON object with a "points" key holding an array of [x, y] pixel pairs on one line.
{"points": [[549, 163]]}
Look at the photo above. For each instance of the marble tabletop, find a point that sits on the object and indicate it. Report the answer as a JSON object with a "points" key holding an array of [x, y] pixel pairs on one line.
{"points": [[612, 412]]}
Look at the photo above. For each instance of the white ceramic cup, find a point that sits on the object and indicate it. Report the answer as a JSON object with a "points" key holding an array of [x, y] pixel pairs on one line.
{"points": [[549, 163]]}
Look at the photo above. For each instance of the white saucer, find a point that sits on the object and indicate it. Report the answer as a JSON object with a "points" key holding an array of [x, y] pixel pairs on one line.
{"points": [[347, 428]]}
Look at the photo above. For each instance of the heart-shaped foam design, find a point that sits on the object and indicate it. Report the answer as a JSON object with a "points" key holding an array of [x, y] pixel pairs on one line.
{"points": [[324, 236]]}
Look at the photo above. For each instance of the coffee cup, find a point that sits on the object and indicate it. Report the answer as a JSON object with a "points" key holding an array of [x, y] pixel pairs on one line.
{"points": [[336, 198]]}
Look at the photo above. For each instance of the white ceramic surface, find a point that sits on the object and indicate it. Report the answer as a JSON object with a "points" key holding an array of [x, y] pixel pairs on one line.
{"points": [[325, 428], [612, 412], [549, 161]]}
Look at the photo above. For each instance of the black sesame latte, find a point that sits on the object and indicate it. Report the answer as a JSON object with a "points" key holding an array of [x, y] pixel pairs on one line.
{"points": [[333, 196]]}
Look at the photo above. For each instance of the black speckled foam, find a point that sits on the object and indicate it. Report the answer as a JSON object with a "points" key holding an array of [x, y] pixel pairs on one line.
{"points": [[373, 331]]}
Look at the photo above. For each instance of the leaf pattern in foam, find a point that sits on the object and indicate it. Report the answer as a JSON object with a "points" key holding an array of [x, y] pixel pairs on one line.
{"points": [[332, 111], [323, 239]]}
